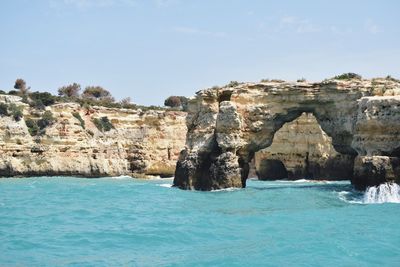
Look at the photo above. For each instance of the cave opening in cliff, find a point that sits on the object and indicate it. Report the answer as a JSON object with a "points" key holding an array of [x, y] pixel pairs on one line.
{"points": [[272, 169], [224, 96], [300, 149]]}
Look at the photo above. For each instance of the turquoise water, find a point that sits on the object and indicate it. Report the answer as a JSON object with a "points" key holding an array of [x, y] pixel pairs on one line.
{"points": [[129, 222]]}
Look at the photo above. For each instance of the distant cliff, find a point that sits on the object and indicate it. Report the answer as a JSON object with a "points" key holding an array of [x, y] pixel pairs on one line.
{"points": [[130, 142]]}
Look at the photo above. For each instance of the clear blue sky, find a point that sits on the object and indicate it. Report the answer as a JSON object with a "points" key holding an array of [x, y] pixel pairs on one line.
{"points": [[148, 50]]}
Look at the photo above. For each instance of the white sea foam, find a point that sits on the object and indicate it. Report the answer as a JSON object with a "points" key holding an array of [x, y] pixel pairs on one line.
{"points": [[301, 181], [348, 197], [165, 185], [229, 189], [157, 177], [305, 181], [384, 193], [121, 177]]}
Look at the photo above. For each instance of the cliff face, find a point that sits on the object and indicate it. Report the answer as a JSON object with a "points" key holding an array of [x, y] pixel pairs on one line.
{"points": [[227, 126], [301, 149], [141, 143]]}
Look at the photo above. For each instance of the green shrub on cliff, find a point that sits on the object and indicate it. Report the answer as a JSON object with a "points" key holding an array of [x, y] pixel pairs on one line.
{"points": [[33, 128], [3, 109], [16, 111], [233, 84], [173, 102], [97, 93], [36, 127], [390, 78], [71, 90], [47, 119], [41, 99], [103, 124], [79, 118], [11, 110], [348, 76], [13, 92]]}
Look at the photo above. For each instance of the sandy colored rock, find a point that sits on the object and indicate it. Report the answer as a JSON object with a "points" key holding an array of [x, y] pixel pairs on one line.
{"points": [[359, 116], [141, 143], [305, 151]]}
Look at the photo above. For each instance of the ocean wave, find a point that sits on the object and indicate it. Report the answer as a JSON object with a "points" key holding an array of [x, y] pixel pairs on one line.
{"points": [[350, 197], [384, 193]]}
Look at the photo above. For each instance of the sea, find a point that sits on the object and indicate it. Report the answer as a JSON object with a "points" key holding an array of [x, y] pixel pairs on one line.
{"points": [[122, 221]]}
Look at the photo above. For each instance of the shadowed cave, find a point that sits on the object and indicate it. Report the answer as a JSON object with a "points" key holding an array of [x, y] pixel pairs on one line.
{"points": [[301, 149]]}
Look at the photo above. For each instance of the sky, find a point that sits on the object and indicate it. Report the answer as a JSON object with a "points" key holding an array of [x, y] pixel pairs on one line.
{"points": [[150, 49]]}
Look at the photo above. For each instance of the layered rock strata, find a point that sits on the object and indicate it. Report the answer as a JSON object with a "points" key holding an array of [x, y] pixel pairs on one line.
{"points": [[142, 143], [301, 149], [227, 126]]}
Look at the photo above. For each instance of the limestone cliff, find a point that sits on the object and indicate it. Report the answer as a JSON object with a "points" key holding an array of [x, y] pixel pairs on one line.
{"points": [[227, 126], [141, 142], [301, 149]]}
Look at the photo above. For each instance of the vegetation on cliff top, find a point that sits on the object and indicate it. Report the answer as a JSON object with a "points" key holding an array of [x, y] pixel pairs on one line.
{"points": [[176, 102], [91, 96], [348, 76]]}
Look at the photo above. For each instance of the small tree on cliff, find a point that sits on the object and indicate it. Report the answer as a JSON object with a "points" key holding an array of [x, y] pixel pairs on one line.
{"points": [[71, 90], [20, 85], [176, 102], [97, 93], [173, 102], [348, 76], [126, 101]]}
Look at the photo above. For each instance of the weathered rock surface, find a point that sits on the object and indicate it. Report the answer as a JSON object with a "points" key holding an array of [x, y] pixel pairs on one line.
{"points": [[141, 143], [375, 170], [360, 116], [301, 149]]}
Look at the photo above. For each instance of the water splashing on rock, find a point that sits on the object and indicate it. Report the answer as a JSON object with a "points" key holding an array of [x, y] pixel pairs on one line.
{"points": [[384, 193]]}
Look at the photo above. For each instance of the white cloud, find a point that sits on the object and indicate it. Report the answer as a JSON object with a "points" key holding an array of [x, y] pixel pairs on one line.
{"points": [[194, 31], [298, 25], [371, 27]]}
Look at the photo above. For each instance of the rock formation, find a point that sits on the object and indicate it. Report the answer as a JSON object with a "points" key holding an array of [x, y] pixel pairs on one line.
{"points": [[142, 143], [301, 149], [227, 126]]}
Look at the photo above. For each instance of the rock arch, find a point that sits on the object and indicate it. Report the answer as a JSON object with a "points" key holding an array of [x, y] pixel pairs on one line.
{"points": [[225, 132], [306, 151]]}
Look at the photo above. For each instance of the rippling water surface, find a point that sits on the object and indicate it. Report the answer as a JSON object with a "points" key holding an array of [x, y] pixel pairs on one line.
{"points": [[129, 222]]}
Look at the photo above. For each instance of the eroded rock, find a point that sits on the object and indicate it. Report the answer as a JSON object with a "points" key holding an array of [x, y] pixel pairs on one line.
{"points": [[141, 143], [244, 119]]}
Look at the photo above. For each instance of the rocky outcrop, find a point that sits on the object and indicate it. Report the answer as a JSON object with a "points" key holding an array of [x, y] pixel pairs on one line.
{"points": [[142, 143], [301, 149], [375, 170], [361, 118]]}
